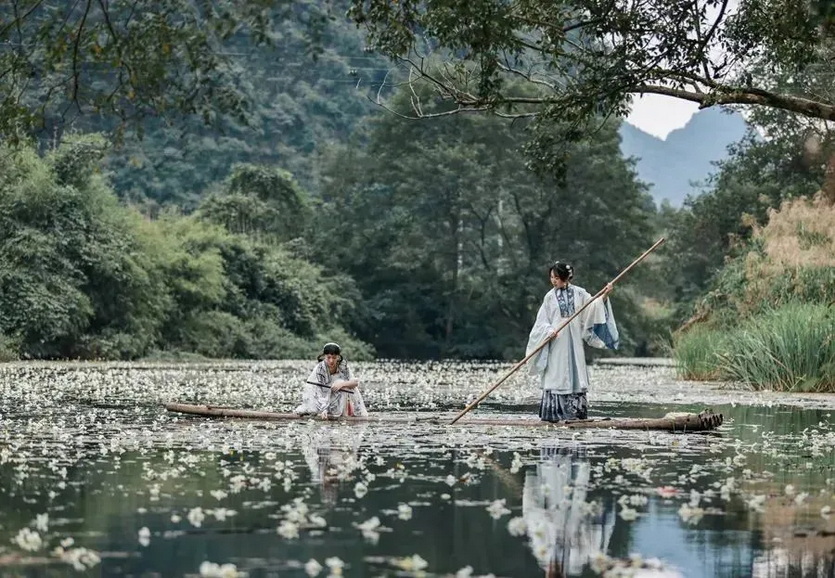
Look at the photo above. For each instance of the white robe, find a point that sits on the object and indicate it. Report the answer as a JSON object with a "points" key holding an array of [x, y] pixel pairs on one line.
{"points": [[318, 396], [561, 364]]}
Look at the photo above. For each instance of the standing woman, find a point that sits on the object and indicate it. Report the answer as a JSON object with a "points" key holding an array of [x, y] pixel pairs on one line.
{"points": [[331, 391], [561, 365]]}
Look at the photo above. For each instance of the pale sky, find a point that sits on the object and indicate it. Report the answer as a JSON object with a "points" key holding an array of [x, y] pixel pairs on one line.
{"points": [[658, 115]]}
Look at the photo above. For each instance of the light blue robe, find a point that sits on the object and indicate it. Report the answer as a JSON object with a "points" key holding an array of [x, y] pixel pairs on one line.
{"points": [[561, 364]]}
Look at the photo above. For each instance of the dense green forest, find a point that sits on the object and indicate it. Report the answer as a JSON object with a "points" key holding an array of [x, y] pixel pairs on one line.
{"points": [[254, 179]]}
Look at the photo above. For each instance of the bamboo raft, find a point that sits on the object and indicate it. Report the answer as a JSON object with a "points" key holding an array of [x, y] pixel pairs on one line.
{"points": [[675, 422]]}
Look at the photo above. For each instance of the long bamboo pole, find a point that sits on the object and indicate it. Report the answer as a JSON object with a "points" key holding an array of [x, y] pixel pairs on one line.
{"points": [[560, 328]]}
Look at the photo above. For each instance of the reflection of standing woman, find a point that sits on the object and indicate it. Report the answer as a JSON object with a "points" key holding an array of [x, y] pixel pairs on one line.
{"points": [[561, 365], [566, 532], [330, 389]]}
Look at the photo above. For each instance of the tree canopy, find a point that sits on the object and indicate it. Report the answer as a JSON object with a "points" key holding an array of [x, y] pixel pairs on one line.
{"points": [[128, 60], [590, 57]]}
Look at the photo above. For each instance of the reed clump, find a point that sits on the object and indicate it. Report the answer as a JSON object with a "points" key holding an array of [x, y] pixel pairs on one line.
{"points": [[769, 320]]}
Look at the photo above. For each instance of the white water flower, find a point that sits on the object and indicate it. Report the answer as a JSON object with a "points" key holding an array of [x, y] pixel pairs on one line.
{"points": [[517, 526], [465, 572], [825, 511], [335, 565], [497, 509], [312, 567], [756, 502], [196, 516], [175, 518], [221, 514], [144, 536], [404, 511], [370, 524], [212, 570], [288, 529], [628, 514], [450, 480], [42, 522], [360, 490], [413, 563], [317, 520], [789, 490], [690, 514], [218, 494], [79, 558], [28, 540], [516, 464]]}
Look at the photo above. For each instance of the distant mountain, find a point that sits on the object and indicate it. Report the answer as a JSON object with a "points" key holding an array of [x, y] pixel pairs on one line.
{"points": [[686, 156]]}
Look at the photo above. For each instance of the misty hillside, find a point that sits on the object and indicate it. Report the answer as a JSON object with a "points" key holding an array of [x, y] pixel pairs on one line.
{"points": [[686, 156]]}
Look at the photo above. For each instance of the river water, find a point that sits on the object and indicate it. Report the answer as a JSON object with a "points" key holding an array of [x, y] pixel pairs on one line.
{"points": [[97, 479]]}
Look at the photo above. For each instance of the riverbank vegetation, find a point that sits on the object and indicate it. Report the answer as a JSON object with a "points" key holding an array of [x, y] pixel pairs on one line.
{"points": [[768, 320], [296, 212]]}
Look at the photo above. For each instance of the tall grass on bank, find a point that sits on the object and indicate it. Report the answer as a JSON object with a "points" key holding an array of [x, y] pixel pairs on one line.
{"points": [[697, 353], [791, 348], [787, 349]]}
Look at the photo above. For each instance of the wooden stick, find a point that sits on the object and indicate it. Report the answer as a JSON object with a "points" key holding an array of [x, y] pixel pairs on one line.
{"points": [[548, 340]]}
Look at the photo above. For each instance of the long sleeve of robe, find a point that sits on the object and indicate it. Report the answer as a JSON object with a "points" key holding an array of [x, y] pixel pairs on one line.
{"points": [[561, 364], [318, 396]]}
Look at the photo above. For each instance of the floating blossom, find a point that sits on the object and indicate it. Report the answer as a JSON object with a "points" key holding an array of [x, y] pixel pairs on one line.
{"points": [[196, 516], [144, 536], [756, 502], [825, 511], [335, 565], [317, 520], [404, 511], [628, 514], [312, 567], [218, 494], [79, 558], [497, 509], [42, 522], [370, 524], [690, 514], [28, 540], [360, 490], [516, 464], [450, 480], [413, 563], [465, 572], [175, 518], [288, 529], [370, 528], [221, 514], [212, 570], [517, 526]]}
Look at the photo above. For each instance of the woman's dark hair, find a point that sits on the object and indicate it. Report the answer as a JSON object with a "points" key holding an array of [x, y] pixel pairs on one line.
{"points": [[562, 270], [330, 349]]}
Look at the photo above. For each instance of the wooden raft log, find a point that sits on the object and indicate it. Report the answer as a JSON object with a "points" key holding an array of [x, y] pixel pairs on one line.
{"points": [[678, 422]]}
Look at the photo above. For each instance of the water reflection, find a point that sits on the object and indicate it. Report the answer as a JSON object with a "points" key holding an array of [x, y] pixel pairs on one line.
{"points": [[565, 531], [332, 455]]}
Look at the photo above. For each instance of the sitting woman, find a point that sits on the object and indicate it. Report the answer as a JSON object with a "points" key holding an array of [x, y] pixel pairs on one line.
{"points": [[330, 390]]}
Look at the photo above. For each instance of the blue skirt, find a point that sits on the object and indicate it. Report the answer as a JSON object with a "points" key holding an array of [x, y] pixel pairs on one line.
{"points": [[562, 407]]}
